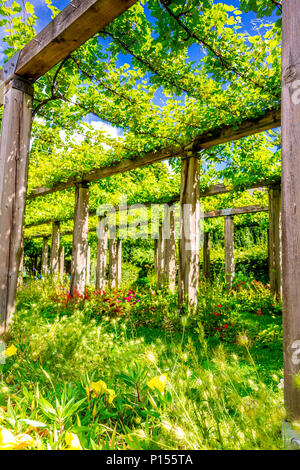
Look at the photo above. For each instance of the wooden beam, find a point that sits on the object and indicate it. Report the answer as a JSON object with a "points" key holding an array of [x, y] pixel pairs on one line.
{"points": [[291, 204], [210, 138], [213, 190], [74, 25], [54, 257], [275, 267], [169, 248], [14, 147], [207, 215], [115, 262], [235, 211], [45, 253], [189, 243], [160, 257], [80, 240], [229, 251], [101, 254], [206, 256]]}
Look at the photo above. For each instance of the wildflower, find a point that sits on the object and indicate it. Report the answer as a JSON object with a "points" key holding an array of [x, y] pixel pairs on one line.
{"points": [[219, 306], [243, 340], [99, 387], [11, 351], [7, 440], [159, 382], [111, 395], [281, 384], [24, 441], [72, 441]]}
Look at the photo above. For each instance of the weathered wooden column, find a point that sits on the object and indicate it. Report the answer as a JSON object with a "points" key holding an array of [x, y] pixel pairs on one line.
{"points": [[88, 266], [229, 251], [169, 263], [54, 256], [80, 239], [119, 262], [115, 262], [101, 254], [291, 204], [189, 244], [160, 257], [62, 260], [15, 137], [45, 251], [275, 241], [206, 256]]}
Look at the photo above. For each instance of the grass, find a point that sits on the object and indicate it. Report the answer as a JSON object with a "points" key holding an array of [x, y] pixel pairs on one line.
{"points": [[123, 371]]}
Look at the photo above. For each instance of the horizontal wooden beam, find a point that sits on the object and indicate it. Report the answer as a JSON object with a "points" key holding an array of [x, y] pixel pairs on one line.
{"points": [[74, 25], [213, 190], [211, 138], [207, 215], [235, 211]]}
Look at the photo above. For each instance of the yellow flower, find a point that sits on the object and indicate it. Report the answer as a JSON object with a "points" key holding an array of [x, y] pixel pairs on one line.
{"points": [[158, 383], [99, 387], [24, 441], [7, 440], [111, 395], [72, 441], [11, 351]]}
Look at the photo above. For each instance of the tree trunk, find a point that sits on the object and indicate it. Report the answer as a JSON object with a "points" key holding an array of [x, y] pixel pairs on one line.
{"points": [[15, 137]]}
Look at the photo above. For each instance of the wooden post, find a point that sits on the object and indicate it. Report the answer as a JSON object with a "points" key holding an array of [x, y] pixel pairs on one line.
{"points": [[15, 137], [160, 257], [88, 266], [101, 255], [80, 240], [54, 256], [291, 203], [229, 251], [119, 262], [189, 244], [62, 261], [169, 264], [113, 263], [206, 256], [45, 251], [275, 241]]}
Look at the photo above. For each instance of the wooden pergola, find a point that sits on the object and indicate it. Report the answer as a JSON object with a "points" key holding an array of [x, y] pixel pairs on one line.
{"points": [[78, 22]]}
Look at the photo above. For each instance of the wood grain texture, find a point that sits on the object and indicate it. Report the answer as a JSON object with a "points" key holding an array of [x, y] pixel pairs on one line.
{"points": [[77, 23], [189, 243], [229, 251], [15, 137], [275, 265], [115, 262], [45, 255], [206, 256], [80, 240], [168, 232], [101, 254], [291, 201], [54, 254]]}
